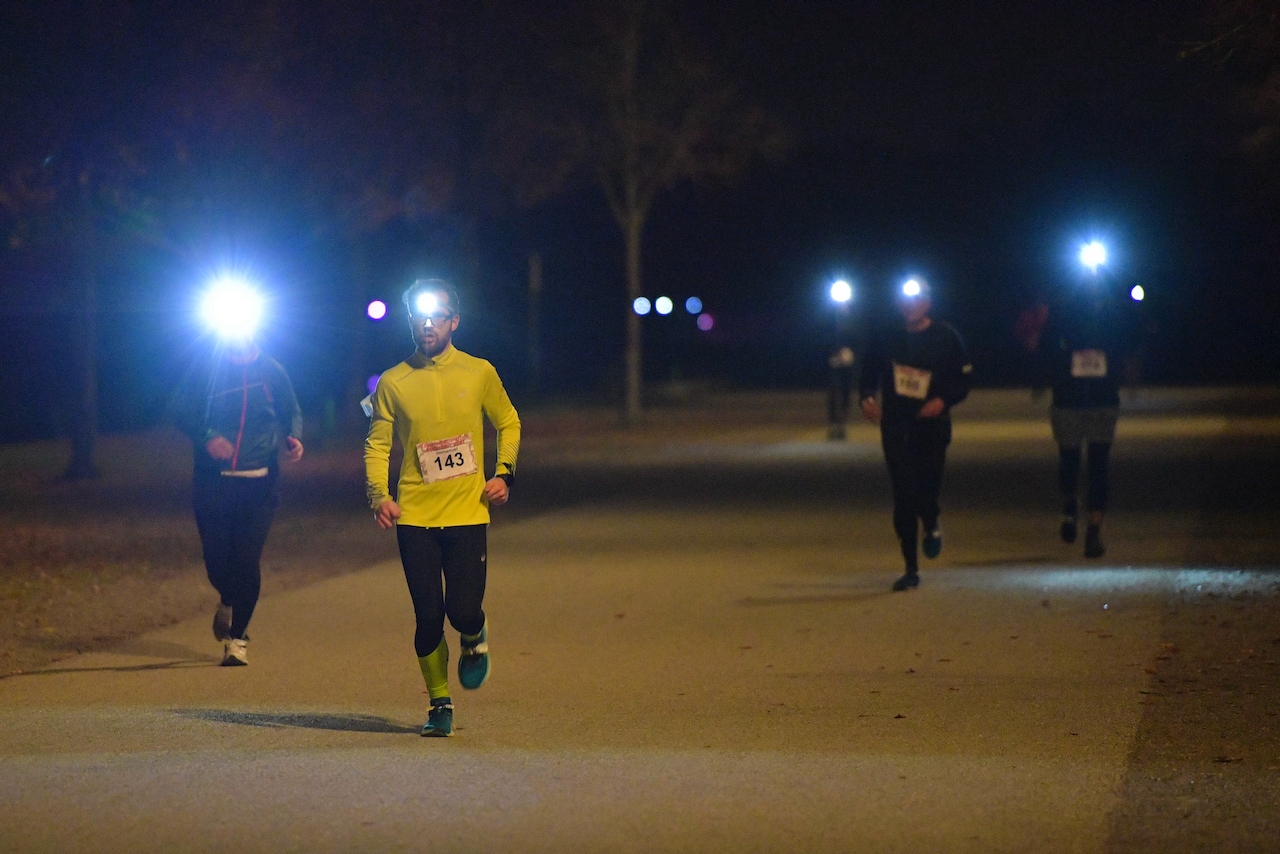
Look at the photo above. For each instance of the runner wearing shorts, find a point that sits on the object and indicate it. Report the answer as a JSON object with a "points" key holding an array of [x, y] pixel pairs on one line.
{"points": [[1082, 352]]}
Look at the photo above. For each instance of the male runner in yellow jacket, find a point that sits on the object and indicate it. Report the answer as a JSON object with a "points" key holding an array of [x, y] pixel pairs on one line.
{"points": [[434, 404]]}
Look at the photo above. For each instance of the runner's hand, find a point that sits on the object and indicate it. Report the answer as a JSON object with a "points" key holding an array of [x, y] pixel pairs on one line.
{"points": [[387, 514], [294, 452], [871, 410], [219, 448], [496, 491], [932, 408]]}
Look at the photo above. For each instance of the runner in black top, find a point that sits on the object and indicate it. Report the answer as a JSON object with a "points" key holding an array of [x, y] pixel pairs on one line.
{"points": [[1085, 348], [920, 371]]}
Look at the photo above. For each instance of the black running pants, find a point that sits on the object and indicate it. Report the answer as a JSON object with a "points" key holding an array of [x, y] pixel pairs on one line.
{"points": [[446, 570], [915, 450], [233, 515], [1099, 487], [839, 386]]}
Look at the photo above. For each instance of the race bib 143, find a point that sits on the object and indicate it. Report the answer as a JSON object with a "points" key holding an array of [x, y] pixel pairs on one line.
{"points": [[911, 382], [447, 459]]}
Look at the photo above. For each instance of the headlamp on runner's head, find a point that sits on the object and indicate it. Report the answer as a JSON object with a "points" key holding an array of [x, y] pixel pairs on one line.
{"points": [[232, 308], [914, 288], [426, 303], [431, 297], [1093, 255]]}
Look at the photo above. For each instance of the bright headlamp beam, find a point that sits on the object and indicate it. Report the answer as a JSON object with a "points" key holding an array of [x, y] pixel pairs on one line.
{"points": [[1093, 255], [841, 291], [426, 303], [911, 288], [232, 308]]}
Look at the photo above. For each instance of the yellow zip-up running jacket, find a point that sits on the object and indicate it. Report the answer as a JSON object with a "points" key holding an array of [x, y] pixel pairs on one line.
{"points": [[435, 406]]}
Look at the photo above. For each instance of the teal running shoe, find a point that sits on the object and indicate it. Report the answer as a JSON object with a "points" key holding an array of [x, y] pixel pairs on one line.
{"points": [[473, 664], [439, 720], [932, 543]]}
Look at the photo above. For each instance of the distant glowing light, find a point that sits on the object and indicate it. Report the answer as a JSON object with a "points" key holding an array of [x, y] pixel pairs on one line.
{"points": [[693, 305], [377, 309], [663, 305], [1093, 255], [372, 384], [641, 306], [911, 288], [705, 322], [1138, 294], [841, 291], [232, 308], [427, 303]]}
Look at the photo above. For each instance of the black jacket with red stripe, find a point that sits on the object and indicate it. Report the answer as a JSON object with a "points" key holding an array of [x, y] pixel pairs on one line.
{"points": [[252, 406]]}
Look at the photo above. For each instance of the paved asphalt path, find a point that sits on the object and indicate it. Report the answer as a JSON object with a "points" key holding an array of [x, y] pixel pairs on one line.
{"points": [[694, 649]]}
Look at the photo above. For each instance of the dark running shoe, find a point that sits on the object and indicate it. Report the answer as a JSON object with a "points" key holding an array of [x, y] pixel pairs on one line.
{"points": [[1070, 512], [1093, 547], [907, 582], [222, 622], [439, 720], [932, 543], [1067, 530]]}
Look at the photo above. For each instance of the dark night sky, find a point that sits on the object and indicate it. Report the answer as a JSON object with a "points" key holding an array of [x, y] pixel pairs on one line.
{"points": [[973, 143], [979, 144]]}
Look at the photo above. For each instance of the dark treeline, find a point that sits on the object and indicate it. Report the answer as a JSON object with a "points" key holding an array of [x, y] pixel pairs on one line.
{"points": [[335, 151], [740, 152]]}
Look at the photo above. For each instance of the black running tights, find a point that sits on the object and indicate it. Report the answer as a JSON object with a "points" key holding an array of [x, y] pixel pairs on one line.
{"points": [[233, 515], [916, 451], [1099, 486], [445, 569]]}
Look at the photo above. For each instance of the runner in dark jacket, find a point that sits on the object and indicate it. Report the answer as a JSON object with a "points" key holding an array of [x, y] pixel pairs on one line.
{"points": [[237, 410]]}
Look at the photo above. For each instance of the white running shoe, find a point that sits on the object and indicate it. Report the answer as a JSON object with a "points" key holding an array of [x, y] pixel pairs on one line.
{"points": [[236, 653]]}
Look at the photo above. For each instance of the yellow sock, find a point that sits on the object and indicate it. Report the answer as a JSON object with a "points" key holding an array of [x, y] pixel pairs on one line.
{"points": [[435, 671]]}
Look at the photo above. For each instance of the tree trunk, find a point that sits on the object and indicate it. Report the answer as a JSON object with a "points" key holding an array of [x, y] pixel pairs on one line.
{"points": [[633, 359], [351, 419], [535, 320], [84, 409]]}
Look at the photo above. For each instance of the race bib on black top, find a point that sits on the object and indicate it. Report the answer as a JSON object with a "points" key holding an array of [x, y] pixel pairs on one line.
{"points": [[911, 382], [1088, 364]]}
